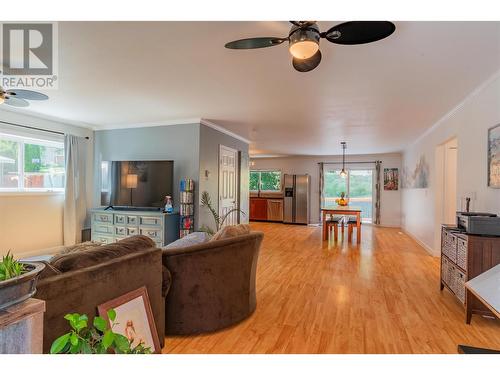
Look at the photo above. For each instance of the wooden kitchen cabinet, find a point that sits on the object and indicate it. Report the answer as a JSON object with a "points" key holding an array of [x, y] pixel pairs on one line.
{"points": [[275, 209], [258, 209], [266, 209]]}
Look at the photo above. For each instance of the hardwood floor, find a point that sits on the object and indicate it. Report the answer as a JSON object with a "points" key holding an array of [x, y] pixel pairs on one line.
{"points": [[381, 296]]}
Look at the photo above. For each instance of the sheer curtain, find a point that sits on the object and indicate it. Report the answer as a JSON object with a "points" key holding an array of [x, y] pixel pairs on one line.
{"points": [[75, 205]]}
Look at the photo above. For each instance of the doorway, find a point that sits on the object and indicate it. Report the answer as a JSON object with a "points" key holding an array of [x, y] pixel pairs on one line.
{"points": [[357, 186], [228, 184], [446, 186]]}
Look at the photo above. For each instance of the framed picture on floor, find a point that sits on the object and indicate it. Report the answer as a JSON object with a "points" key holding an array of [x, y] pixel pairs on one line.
{"points": [[134, 318], [494, 157], [391, 178]]}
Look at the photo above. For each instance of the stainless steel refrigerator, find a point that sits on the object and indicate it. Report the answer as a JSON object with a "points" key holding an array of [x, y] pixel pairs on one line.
{"points": [[296, 200]]}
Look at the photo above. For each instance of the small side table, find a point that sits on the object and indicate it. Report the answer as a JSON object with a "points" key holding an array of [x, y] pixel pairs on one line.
{"points": [[21, 328]]}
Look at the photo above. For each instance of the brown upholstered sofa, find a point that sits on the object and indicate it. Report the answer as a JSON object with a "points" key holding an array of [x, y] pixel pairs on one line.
{"points": [[213, 284], [80, 281]]}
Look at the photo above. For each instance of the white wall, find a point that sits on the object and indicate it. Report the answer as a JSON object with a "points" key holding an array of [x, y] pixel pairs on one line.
{"points": [[390, 201], [469, 122], [30, 222]]}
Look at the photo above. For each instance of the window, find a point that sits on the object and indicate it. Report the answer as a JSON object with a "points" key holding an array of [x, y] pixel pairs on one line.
{"points": [[265, 180], [28, 164], [357, 186]]}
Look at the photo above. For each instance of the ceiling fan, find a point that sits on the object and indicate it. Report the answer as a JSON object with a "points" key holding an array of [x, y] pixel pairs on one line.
{"points": [[19, 97], [303, 39]]}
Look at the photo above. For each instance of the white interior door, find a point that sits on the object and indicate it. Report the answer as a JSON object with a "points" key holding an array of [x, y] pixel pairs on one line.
{"points": [[228, 192]]}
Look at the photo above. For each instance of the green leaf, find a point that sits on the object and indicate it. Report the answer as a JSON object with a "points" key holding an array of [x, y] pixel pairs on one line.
{"points": [[108, 338], [59, 344], [81, 325], [122, 344], [111, 314], [100, 324], [74, 339], [85, 348]]}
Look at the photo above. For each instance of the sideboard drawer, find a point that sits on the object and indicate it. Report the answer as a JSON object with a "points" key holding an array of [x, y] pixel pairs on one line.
{"points": [[462, 254], [132, 231], [151, 233], [103, 218], [103, 239], [120, 231], [150, 220], [120, 219], [132, 220], [102, 228]]}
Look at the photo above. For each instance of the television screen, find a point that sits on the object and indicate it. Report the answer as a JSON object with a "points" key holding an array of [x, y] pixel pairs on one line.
{"points": [[136, 183]]}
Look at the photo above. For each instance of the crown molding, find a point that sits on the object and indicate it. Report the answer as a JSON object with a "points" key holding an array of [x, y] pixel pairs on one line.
{"points": [[219, 128], [183, 121]]}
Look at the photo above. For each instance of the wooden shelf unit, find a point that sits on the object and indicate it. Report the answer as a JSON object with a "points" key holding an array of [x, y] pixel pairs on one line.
{"points": [[463, 257]]}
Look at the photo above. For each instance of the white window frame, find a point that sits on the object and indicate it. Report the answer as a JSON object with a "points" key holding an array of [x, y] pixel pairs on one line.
{"points": [[22, 140], [260, 183]]}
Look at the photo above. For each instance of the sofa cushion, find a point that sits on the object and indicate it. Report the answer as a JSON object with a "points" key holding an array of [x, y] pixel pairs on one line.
{"points": [[231, 231], [88, 245], [191, 239], [82, 259]]}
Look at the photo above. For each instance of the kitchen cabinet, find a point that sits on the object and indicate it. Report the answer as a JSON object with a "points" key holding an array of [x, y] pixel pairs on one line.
{"points": [[275, 209], [266, 209]]}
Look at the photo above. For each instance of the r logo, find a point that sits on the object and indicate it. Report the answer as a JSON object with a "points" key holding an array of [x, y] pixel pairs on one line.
{"points": [[27, 49]]}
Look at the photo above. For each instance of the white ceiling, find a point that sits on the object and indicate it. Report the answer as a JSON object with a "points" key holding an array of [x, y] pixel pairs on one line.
{"points": [[378, 97]]}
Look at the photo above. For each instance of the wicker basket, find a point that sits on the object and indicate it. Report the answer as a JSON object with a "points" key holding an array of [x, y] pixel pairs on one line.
{"points": [[459, 285], [462, 253]]}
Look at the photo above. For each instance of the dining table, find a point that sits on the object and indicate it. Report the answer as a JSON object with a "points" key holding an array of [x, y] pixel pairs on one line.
{"points": [[341, 211]]}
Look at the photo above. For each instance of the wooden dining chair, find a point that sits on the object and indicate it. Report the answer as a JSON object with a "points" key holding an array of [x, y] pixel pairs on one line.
{"points": [[352, 223], [335, 222]]}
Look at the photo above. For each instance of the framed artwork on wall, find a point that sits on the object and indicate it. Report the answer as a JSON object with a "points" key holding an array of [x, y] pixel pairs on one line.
{"points": [[391, 178], [134, 318], [494, 157]]}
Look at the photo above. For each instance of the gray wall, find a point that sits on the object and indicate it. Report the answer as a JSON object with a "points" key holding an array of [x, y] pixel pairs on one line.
{"points": [[194, 148], [210, 140], [179, 143]]}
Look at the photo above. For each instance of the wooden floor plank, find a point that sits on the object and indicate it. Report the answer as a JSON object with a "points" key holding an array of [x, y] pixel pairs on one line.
{"points": [[381, 296]]}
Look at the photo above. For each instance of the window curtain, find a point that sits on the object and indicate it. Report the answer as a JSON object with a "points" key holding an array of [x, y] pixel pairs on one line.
{"points": [[377, 192], [75, 205], [321, 189]]}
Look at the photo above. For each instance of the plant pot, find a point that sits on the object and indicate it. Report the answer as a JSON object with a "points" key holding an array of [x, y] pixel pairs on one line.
{"points": [[20, 288]]}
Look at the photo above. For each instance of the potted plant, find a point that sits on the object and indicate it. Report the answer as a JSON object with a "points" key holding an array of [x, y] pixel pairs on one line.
{"points": [[206, 202], [98, 339], [17, 280]]}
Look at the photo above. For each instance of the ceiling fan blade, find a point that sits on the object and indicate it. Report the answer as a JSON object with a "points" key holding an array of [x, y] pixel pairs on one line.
{"points": [[359, 32], [306, 65], [16, 102], [252, 43], [27, 94]]}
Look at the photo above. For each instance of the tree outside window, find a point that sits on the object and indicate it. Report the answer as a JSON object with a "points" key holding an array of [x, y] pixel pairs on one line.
{"points": [[265, 181]]}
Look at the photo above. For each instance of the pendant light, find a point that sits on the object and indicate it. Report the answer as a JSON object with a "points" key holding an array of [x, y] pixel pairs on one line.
{"points": [[343, 172]]}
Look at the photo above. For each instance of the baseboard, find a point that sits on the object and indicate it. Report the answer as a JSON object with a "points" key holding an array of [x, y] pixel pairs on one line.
{"points": [[422, 244]]}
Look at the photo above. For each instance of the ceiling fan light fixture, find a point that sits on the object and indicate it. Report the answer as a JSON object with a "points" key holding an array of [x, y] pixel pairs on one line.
{"points": [[304, 43]]}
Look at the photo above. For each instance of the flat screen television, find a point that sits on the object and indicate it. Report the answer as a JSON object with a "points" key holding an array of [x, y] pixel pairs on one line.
{"points": [[143, 183]]}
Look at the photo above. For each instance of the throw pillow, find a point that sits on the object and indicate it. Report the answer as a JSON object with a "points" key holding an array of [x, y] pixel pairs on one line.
{"points": [[231, 231], [191, 239]]}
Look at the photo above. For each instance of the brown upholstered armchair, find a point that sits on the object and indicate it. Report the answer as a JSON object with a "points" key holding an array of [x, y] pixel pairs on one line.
{"points": [[213, 284]]}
